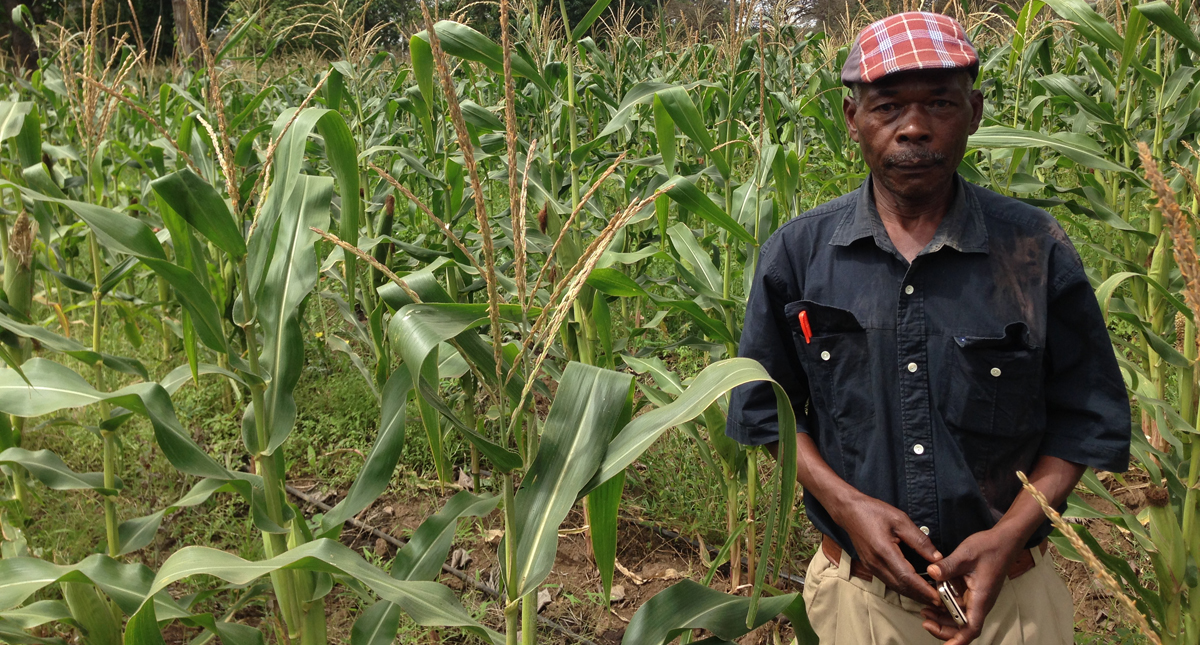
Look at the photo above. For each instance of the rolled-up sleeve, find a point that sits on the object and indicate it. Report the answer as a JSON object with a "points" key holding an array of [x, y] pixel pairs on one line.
{"points": [[753, 417], [1087, 408]]}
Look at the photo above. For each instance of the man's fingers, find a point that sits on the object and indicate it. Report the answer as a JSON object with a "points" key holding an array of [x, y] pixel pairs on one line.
{"points": [[917, 539], [964, 635], [940, 628], [948, 567], [914, 586], [900, 575]]}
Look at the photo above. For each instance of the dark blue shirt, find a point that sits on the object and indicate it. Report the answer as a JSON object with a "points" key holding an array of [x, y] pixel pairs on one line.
{"points": [[928, 385]]}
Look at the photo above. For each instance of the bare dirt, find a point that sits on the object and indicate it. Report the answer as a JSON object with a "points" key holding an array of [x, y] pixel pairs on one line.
{"points": [[652, 562]]}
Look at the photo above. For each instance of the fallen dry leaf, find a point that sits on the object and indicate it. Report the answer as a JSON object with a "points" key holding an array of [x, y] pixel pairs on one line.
{"points": [[617, 594], [460, 559], [665, 574], [633, 577], [544, 598], [465, 480], [381, 547], [491, 535]]}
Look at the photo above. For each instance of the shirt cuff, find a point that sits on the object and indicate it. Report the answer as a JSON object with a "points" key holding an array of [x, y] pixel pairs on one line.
{"points": [[1074, 450], [753, 435]]}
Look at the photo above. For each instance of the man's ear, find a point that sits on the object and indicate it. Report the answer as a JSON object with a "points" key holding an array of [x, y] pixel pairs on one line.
{"points": [[850, 108], [976, 101]]}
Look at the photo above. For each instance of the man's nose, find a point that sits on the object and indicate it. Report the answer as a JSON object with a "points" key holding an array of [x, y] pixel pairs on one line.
{"points": [[915, 126]]}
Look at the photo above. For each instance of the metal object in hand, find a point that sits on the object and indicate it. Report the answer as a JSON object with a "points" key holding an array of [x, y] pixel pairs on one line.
{"points": [[953, 607]]}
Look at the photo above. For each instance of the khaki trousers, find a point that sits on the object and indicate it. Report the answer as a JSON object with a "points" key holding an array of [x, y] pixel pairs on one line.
{"points": [[1033, 609]]}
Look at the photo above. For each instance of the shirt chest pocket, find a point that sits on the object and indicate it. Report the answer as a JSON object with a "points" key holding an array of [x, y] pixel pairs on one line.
{"points": [[834, 351], [993, 383]]}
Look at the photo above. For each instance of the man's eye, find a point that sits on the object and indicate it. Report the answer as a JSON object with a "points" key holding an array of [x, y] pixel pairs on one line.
{"points": [[886, 107], [941, 103]]}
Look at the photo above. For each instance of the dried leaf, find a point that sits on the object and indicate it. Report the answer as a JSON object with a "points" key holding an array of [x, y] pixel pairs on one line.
{"points": [[460, 559], [544, 598]]}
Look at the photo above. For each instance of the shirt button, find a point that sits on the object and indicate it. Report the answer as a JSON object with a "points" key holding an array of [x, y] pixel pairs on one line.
{"points": [[995, 371], [912, 367], [925, 530], [824, 356], [919, 449], [909, 290]]}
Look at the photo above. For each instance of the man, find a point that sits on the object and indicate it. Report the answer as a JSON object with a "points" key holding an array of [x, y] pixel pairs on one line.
{"points": [[935, 338]]}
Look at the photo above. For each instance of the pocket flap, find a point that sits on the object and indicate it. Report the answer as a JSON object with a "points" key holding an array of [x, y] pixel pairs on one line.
{"points": [[1016, 336], [822, 319]]}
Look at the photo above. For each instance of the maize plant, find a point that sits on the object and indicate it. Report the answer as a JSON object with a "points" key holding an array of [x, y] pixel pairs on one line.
{"points": [[514, 234]]}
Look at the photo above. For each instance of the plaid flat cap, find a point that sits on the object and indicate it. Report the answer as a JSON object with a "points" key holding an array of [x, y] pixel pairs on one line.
{"points": [[908, 41]]}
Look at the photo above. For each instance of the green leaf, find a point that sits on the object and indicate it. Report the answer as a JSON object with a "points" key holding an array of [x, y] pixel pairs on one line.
{"points": [[55, 387], [126, 234], [422, 557], [475, 349], [29, 140], [203, 207], [700, 263], [664, 130], [602, 317], [637, 95], [422, 62], [715, 380], [603, 505], [426, 603], [464, 42], [125, 584], [1161, 14], [93, 614], [114, 230], [678, 104], [690, 605], [998, 136], [182, 374], [614, 282], [72, 348], [50, 469], [136, 533], [587, 407], [341, 152], [12, 117], [381, 462], [667, 380], [1087, 22], [502, 459], [584, 24], [1060, 85], [688, 195], [377, 625], [290, 276], [417, 329]]}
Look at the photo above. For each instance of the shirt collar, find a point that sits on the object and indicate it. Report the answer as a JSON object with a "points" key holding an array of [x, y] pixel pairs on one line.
{"points": [[962, 228]]}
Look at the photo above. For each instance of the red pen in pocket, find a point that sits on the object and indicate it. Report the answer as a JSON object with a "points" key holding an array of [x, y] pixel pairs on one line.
{"points": [[804, 326]]}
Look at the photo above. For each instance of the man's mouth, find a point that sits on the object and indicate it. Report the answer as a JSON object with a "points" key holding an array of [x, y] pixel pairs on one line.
{"points": [[914, 160]]}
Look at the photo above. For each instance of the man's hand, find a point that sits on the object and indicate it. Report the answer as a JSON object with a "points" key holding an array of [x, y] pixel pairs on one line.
{"points": [[982, 562], [877, 529]]}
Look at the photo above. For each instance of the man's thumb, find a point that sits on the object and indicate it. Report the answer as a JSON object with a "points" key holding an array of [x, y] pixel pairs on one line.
{"points": [[946, 568]]}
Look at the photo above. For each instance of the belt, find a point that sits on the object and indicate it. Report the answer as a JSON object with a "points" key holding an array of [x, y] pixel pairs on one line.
{"points": [[1023, 562]]}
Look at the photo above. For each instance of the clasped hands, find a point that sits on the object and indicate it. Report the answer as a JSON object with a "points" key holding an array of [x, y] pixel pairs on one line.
{"points": [[981, 562]]}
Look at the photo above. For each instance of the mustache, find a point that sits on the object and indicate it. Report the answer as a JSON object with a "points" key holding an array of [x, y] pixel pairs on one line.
{"points": [[914, 156]]}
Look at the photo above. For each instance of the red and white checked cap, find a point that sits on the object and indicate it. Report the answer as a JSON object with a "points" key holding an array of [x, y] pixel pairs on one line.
{"points": [[908, 41]]}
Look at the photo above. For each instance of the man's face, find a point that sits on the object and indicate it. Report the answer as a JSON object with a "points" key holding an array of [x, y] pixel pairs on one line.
{"points": [[913, 128]]}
